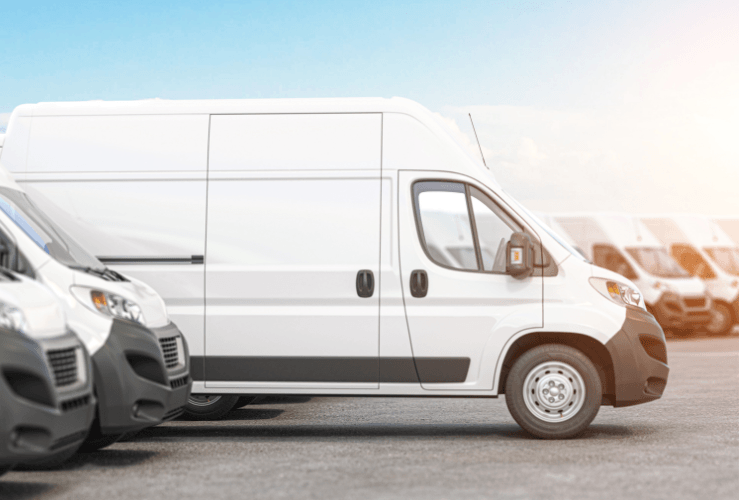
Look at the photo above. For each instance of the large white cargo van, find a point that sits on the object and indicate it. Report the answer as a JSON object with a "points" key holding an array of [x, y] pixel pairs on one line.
{"points": [[621, 243], [705, 251], [292, 242]]}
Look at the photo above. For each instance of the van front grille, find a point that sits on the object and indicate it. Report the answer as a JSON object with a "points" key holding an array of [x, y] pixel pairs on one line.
{"points": [[73, 404], [170, 351], [696, 302], [64, 364]]}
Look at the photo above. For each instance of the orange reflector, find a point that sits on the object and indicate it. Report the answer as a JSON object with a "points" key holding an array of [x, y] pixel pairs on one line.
{"points": [[98, 298], [613, 289]]}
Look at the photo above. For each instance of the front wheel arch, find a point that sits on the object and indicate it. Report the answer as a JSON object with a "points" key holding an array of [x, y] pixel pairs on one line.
{"points": [[594, 350]]}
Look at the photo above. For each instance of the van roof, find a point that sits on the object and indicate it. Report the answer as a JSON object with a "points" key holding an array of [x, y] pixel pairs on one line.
{"points": [[618, 229], [691, 229], [223, 106]]}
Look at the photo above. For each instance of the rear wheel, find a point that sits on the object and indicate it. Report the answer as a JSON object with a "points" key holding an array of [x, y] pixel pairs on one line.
{"points": [[209, 407], [553, 391], [722, 320]]}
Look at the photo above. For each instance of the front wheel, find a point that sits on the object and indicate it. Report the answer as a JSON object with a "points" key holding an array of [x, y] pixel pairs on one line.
{"points": [[209, 407], [553, 391], [721, 319]]}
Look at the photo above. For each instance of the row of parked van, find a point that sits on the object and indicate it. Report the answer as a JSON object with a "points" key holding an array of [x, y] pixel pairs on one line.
{"points": [[342, 247], [687, 267], [86, 354]]}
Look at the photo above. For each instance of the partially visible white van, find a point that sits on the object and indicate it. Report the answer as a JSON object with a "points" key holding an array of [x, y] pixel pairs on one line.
{"points": [[621, 243], [292, 241], [730, 225], [705, 251]]}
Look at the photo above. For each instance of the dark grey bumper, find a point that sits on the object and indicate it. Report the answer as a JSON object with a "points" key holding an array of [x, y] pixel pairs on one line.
{"points": [[639, 356], [38, 419], [135, 387]]}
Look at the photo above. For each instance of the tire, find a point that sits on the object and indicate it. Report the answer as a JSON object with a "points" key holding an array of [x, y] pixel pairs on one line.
{"points": [[577, 392], [243, 401], [209, 407], [722, 320]]}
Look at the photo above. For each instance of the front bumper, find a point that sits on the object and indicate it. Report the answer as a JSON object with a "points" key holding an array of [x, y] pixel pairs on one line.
{"points": [[40, 418], [639, 356], [136, 386], [674, 311]]}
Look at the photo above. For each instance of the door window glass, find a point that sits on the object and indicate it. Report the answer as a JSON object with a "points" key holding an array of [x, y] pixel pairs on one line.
{"points": [[494, 229], [610, 258], [455, 239], [445, 224]]}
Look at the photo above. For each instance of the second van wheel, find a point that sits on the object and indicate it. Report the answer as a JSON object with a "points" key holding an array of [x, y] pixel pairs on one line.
{"points": [[553, 391], [721, 319], [209, 407]]}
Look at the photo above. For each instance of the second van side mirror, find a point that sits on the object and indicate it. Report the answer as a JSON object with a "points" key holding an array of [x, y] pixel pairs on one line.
{"points": [[519, 256]]}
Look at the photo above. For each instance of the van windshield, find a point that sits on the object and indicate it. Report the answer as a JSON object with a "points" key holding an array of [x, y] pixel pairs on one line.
{"points": [[45, 233], [657, 262], [727, 259]]}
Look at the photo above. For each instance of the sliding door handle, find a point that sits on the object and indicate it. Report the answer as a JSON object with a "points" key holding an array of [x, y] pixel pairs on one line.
{"points": [[419, 283], [365, 283]]}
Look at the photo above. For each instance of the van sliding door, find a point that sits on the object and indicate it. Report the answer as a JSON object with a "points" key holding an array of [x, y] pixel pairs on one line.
{"points": [[292, 255]]}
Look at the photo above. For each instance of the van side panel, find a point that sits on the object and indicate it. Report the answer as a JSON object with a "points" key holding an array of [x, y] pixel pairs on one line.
{"points": [[286, 239], [15, 148], [295, 142], [118, 143]]}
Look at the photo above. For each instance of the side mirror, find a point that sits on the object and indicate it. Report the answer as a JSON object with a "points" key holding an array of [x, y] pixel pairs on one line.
{"points": [[520, 256]]}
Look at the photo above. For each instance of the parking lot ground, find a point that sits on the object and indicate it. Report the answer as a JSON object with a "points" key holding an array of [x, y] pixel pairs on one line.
{"points": [[684, 446]]}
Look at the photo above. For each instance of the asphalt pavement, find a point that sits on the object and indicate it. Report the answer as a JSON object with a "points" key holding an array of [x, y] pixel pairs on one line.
{"points": [[685, 445]]}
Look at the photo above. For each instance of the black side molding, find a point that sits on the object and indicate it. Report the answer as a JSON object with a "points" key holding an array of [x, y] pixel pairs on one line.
{"points": [[193, 259], [329, 369]]}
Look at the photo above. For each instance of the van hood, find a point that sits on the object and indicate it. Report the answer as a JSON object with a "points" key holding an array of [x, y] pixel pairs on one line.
{"points": [[43, 313], [683, 286]]}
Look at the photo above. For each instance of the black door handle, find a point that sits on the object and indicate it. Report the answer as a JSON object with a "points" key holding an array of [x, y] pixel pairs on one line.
{"points": [[365, 283], [419, 283]]}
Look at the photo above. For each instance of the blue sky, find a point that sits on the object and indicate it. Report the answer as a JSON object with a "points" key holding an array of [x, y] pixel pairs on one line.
{"points": [[576, 66]]}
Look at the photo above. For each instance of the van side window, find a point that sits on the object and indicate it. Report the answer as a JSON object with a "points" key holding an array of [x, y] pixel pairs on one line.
{"points": [[460, 227], [690, 260], [608, 257], [445, 224]]}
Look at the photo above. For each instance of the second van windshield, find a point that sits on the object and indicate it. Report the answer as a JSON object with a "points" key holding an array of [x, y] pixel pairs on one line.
{"points": [[657, 262], [44, 232]]}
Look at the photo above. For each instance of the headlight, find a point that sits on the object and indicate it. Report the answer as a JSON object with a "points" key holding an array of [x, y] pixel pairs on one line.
{"points": [[109, 304], [616, 292], [12, 318]]}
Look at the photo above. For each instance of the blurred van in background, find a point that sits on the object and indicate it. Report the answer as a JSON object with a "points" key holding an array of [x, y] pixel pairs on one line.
{"points": [[622, 244], [46, 399], [705, 251]]}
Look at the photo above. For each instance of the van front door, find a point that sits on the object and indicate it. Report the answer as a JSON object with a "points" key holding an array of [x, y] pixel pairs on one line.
{"points": [[461, 305], [293, 252]]}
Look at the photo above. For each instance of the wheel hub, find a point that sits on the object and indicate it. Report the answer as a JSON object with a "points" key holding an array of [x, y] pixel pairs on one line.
{"points": [[554, 391]]}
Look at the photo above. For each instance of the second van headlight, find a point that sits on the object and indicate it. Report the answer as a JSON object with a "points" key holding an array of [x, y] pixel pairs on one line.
{"points": [[109, 304], [12, 318], [616, 292]]}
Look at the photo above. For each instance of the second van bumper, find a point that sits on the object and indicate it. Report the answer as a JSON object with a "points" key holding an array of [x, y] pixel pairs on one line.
{"points": [[142, 376], [37, 421], [673, 311], [639, 355]]}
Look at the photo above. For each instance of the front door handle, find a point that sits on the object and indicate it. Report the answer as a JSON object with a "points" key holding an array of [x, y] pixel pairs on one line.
{"points": [[365, 283], [419, 283]]}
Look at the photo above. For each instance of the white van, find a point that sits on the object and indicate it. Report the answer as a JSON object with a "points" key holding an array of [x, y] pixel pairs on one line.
{"points": [[730, 226], [46, 399], [139, 357], [622, 244], [705, 251], [290, 240]]}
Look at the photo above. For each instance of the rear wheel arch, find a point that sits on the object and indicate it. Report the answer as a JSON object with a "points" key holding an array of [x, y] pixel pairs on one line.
{"points": [[594, 350]]}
